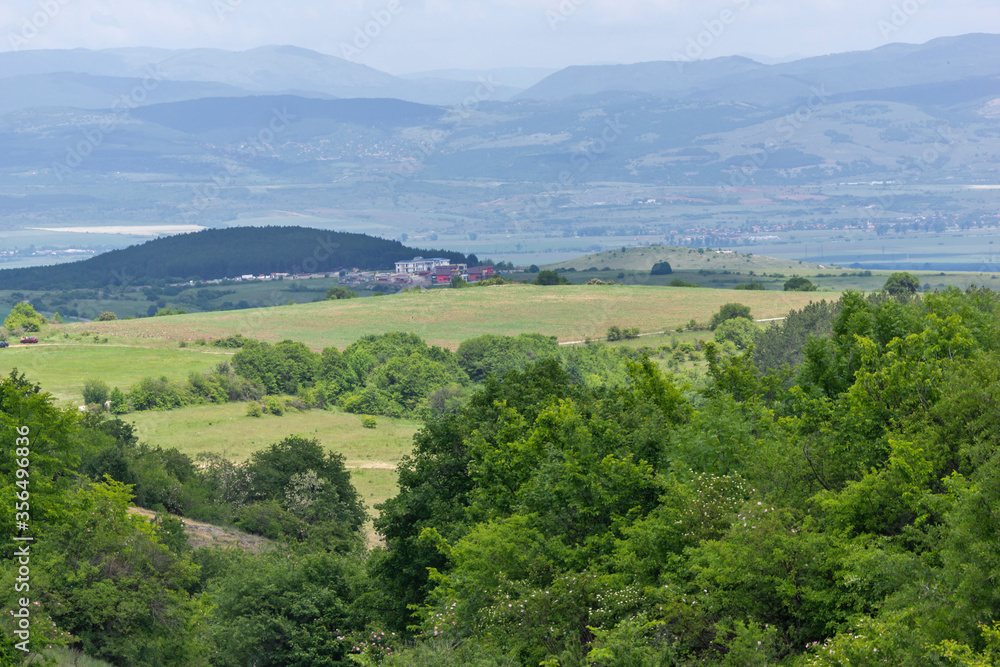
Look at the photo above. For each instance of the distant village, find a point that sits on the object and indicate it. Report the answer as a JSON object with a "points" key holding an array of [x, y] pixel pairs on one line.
{"points": [[416, 272]]}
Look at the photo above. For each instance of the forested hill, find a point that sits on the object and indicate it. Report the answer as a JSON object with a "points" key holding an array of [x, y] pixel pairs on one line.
{"points": [[222, 253]]}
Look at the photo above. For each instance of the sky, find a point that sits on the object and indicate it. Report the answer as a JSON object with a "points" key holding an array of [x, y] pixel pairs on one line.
{"points": [[404, 36]]}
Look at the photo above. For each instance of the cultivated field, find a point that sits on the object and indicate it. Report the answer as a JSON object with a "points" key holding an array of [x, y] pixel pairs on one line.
{"points": [[447, 317]]}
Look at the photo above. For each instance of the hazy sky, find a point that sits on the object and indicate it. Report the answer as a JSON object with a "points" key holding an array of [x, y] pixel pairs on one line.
{"points": [[414, 35]]}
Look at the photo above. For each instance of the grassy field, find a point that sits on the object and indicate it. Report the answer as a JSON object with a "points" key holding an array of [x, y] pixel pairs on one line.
{"points": [[371, 454], [447, 317], [63, 368], [687, 259], [225, 429]]}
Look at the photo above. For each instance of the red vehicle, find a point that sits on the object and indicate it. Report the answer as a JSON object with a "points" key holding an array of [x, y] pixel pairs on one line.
{"points": [[29, 339]]}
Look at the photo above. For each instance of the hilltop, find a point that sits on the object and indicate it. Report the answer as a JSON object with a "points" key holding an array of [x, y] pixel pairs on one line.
{"points": [[223, 253], [683, 259]]}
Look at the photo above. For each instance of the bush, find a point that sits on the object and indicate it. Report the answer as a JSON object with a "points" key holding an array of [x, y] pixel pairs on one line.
{"points": [[106, 316], [96, 391], [550, 278], [728, 312], [799, 284], [677, 282], [255, 410], [740, 331], [24, 317], [901, 284], [369, 422], [661, 269], [752, 285], [337, 292], [274, 406]]}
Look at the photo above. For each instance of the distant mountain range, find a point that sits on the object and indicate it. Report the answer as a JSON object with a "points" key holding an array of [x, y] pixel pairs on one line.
{"points": [[735, 79], [216, 137], [223, 253], [93, 79]]}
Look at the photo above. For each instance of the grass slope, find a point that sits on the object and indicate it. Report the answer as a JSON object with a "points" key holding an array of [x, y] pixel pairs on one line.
{"points": [[685, 259], [447, 317], [63, 368]]}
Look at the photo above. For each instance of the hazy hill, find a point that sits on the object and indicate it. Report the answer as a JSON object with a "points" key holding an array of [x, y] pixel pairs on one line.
{"points": [[741, 80], [682, 259], [206, 114], [89, 91], [267, 69], [223, 253]]}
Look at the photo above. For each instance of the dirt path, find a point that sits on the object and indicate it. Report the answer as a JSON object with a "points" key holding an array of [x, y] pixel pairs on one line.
{"points": [[201, 534]]}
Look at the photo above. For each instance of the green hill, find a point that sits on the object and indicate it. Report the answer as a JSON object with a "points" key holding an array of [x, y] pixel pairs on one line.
{"points": [[223, 253], [683, 259]]}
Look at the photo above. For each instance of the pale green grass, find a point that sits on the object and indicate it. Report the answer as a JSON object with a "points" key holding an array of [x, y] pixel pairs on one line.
{"points": [[225, 429], [62, 369], [446, 317]]}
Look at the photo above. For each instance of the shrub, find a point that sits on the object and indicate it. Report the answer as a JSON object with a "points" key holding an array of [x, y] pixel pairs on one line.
{"points": [[106, 316], [369, 422], [752, 285], [661, 269], [729, 311], [799, 284], [740, 331], [96, 391], [337, 292], [677, 282], [274, 406]]}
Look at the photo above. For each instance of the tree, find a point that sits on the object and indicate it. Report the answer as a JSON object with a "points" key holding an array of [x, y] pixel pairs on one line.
{"points": [[337, 292], [739, 330], [799, 284], [550, 278], [661, 269], [728, 312], [96, 392], [106, 316], [533, 268], [458, 283], [24, 317], [901, 283]]}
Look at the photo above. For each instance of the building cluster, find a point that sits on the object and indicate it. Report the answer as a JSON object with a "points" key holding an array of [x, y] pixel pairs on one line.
{"points": [[441, 270]]}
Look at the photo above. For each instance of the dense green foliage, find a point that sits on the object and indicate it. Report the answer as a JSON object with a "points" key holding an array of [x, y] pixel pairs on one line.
{"points": [[550, 278], [729, 311], [23, 318], [835, 505], [799, 284], [901, 283], [661, 269], [222, 253], [338, 292]]}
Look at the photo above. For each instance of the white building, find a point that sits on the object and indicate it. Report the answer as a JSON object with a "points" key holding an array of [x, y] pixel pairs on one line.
{"points": [[419, 264]]}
